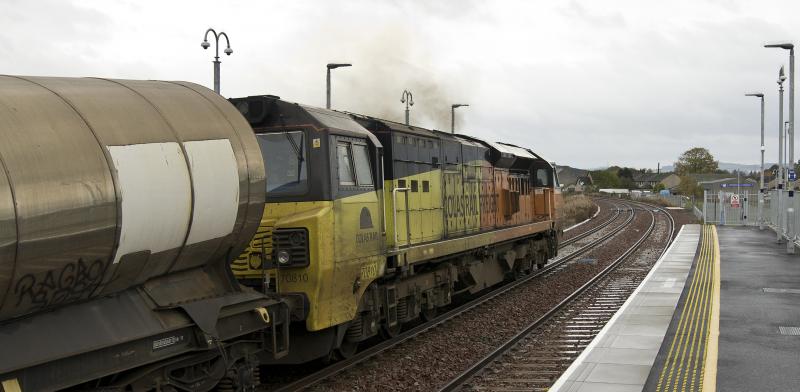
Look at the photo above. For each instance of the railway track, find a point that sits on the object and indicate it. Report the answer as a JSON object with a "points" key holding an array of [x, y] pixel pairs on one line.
{"points": [[621, 209], [536, 356], [591, 230]]}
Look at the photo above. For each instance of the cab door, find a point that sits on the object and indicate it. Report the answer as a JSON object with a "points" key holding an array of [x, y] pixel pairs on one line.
{"points": [[358, 236]]}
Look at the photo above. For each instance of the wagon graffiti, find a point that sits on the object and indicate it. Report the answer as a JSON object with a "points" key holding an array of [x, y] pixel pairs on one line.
{"points": [[73, 281]]}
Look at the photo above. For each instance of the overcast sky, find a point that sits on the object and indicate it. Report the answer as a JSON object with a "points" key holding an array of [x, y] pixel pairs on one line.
{"points": [[583, 83]]}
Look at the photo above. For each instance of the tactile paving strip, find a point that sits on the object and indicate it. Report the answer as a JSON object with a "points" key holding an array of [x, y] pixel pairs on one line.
{"points": [[686, 358]]}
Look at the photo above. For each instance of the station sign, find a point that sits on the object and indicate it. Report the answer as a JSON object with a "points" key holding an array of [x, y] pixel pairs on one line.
{"points": [[745, 185]]}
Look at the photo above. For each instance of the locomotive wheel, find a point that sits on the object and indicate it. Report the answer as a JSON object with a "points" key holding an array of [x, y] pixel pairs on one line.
{"points": [[388, 332], [346, 350], [429, 314]]}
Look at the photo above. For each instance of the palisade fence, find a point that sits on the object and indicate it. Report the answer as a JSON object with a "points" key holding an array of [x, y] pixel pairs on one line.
{"points": [[672, 200], [777, 211]]}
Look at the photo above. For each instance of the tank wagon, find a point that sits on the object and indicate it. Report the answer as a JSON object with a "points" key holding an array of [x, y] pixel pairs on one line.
{"points": [[370, 224], [122, 204]]}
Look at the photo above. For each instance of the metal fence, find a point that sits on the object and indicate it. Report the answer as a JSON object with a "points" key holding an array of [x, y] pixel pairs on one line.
{"points": [[730, 208], [672, 200], [774, 209]]}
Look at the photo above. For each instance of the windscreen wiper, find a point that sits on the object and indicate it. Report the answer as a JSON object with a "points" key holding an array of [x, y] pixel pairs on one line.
{"points": [[295, 147]]}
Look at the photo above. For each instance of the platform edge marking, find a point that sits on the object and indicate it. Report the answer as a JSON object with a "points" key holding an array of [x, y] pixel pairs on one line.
{"points": [[712, 347], [668, 368]]}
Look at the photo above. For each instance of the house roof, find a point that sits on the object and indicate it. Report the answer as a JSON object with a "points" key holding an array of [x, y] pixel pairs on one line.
{"points": [[570, 175], [706, 177], [650, 177]]}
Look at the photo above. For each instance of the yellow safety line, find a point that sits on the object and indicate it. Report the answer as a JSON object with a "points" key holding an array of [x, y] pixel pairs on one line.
{"points": [[699, 304], [675, 339], [709, 381], [691, 339], [669, 363], [687, 335], [701, 322]]}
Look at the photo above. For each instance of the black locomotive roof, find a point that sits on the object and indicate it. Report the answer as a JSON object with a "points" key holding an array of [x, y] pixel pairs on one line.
{"points": [[268, 111], [394, 126], [500, 154]]}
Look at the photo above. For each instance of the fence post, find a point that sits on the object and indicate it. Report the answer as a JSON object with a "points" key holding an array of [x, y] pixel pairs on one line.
{"points": [[760, 209], [705, 202], [790, 229], [779, 216]]}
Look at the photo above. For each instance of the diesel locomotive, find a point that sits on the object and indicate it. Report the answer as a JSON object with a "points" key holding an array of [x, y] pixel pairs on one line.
{"points": [[370, 224]]}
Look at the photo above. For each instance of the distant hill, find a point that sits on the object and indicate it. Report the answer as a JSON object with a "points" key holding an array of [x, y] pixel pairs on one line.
{"points": [[727, 166]]}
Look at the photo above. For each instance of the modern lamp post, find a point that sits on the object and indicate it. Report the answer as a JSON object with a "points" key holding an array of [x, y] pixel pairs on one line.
{"points": [[781, 79], [790, 47], [453, 115], [328, 81], [761, 189], [407, 99], [205, 45]]}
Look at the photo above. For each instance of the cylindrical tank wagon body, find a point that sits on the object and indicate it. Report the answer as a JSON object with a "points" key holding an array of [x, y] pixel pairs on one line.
{"points": [[108, 183], [122, 203]]}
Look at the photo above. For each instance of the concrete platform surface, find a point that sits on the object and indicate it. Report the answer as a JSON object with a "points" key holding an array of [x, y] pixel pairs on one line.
{"points": [[759, 343]]}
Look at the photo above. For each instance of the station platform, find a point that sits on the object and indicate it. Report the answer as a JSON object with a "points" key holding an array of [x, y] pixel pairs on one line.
{"points": [[720, 310]]}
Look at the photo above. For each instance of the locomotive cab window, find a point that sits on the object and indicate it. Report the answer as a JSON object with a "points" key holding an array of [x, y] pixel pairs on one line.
{"points": [[345, 161], [285, 162], [542, 179], [354, 164], [361, 160]]}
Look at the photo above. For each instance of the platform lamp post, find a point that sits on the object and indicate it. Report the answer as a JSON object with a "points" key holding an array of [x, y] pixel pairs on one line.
{"points": [[407, 99], [453, 115], [205, 45], [331, 66], [790, 47], [780, 218], [761, 183]]}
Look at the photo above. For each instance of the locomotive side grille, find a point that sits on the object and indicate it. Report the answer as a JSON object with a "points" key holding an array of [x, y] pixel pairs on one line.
{"points": [[294, 241]]}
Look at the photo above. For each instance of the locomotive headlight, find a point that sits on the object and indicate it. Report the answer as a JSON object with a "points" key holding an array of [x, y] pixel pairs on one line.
{"points": [[283, 257], [297, 239]]}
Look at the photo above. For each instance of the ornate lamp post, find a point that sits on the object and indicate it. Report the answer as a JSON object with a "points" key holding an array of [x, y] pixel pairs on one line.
{"points": [[407, 99], [205, 45]]}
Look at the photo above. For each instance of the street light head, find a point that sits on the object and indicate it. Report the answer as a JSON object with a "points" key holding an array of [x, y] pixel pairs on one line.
{"points": [[228, 51], [782, 45], [458, 105], [759, 95], [205, 45], [338, 65]]}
